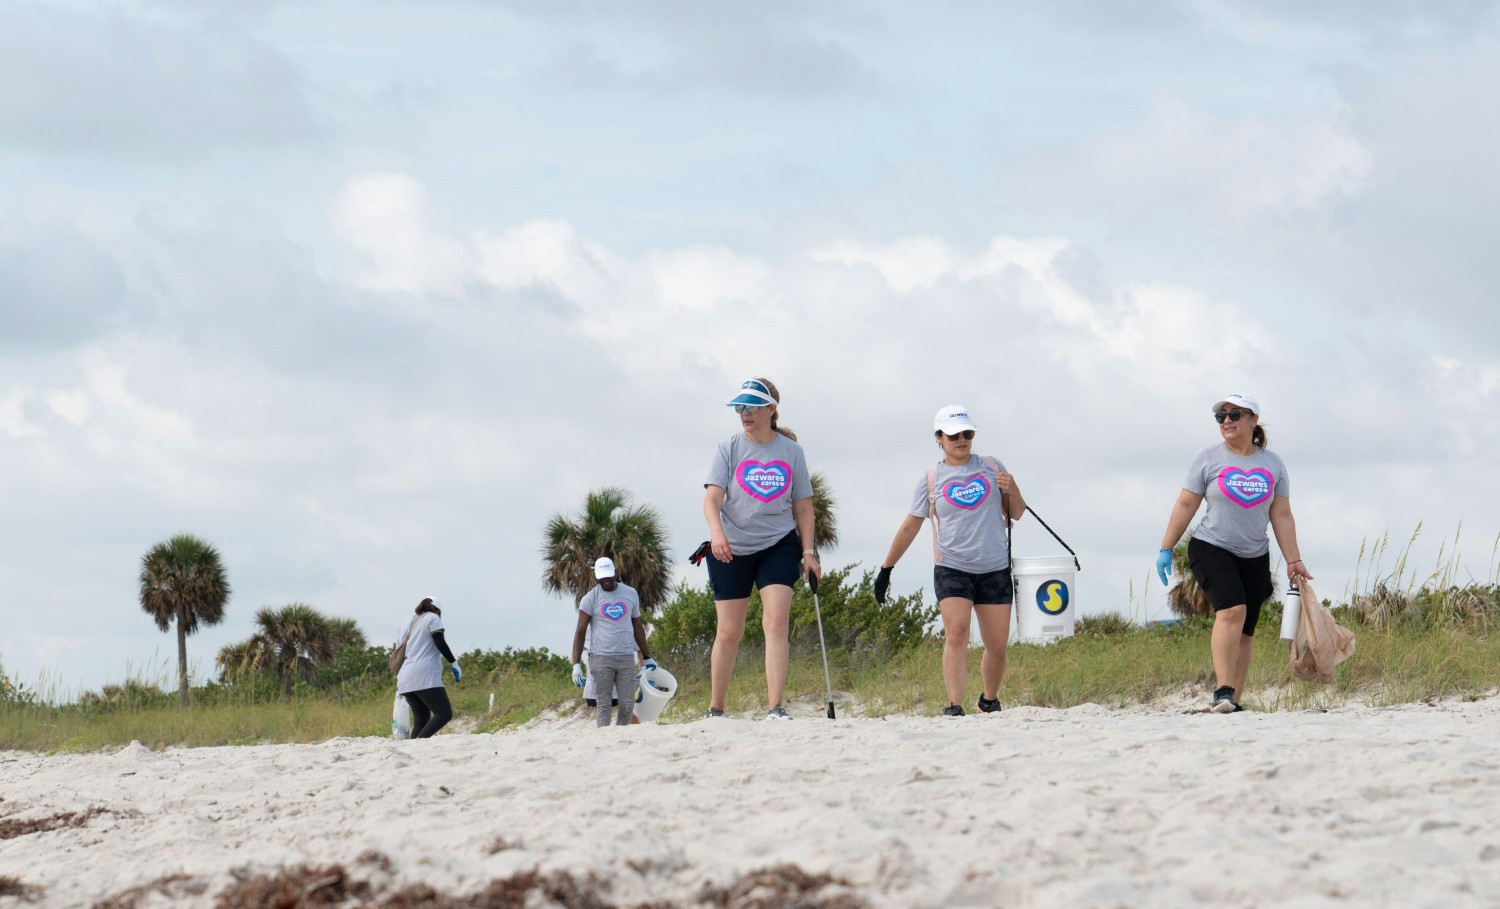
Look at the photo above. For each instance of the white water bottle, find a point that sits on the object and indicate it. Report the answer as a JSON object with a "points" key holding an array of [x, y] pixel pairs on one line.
{"points": [[1290, 611]]}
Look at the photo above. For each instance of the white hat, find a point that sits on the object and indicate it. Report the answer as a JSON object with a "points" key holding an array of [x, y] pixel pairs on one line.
{"points": [[604, 567], [952, 419], [753, 392], [1244, 402], [436, 602]]}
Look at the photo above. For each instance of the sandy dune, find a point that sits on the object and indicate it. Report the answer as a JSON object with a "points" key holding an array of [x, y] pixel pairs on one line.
{"points": [[1034, 807]]}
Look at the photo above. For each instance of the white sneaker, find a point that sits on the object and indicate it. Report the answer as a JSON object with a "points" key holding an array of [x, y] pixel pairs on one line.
{"points": [[778, 713]]}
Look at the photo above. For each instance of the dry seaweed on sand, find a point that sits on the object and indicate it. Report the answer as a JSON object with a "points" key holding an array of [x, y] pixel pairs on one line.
{"points": [[172, 886], [15, 887], [783, 887], [293, 888], [12, 827]]}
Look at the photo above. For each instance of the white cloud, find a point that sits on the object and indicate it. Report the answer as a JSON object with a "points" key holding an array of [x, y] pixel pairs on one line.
{"points": [[389, 218]]}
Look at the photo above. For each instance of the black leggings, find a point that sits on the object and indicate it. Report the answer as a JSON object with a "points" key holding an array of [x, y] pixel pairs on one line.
{"points": [[430, 711]]}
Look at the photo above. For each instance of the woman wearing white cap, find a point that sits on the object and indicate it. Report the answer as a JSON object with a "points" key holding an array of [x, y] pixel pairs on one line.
{"points": [[1245, 486], [759, 508], [970, 542], [420, 679]]}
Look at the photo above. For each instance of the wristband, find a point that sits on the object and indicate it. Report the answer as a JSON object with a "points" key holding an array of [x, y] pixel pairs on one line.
{"points": [[810, 552]]}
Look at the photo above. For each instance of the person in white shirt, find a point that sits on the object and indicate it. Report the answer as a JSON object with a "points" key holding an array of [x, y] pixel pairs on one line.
{"points": [[420, 679]]}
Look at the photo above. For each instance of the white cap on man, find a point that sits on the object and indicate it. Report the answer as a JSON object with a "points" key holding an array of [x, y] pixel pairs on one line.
{"points": [[604, 567], [1244, 402], [952, 420]]}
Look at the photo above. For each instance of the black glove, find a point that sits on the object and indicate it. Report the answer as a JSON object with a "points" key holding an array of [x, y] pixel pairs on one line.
{"points": [[697, 557], [882, 585]]}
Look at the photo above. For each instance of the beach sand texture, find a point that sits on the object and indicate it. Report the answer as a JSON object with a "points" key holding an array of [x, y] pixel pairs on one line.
{"points": [[1089, 806]]}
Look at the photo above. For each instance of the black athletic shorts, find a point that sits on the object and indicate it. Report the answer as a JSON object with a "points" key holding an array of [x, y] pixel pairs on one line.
{"points": [[1231, 580], [779, 563], [989, 588]]}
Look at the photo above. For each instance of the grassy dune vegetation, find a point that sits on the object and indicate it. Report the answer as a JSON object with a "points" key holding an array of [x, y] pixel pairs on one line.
{"points": [[1418, 639]]}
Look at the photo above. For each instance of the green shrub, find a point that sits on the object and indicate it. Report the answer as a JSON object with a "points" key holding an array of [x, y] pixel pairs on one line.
{"points": [[1109, 623], [684, 628]]}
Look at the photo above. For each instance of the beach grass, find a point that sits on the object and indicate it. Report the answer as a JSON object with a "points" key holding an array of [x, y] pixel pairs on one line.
{"points": [[1128, 666]]}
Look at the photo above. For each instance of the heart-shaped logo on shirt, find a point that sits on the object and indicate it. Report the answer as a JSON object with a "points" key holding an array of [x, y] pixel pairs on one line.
{"points": [[967, 494], [1246, 488], [764, 481], [613, 611]]}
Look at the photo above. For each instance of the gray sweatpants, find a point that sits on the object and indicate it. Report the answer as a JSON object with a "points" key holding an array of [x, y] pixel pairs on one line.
{"points": [[608, 671]]}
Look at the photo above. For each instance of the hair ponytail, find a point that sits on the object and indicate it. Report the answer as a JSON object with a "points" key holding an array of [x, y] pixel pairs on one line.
{"points": [[1258, 436], [771, 387]]}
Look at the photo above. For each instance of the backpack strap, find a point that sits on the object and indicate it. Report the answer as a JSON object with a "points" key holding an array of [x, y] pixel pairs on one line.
{"points": [[937, 554]]}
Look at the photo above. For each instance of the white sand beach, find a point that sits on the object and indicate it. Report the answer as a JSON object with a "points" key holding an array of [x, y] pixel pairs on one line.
{"points": [[1355, 806]]}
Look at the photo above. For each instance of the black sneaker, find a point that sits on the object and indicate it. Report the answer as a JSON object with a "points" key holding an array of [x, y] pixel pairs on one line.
{"points": [[712, 712], [1224, 699], [1237, 709], [988, 706], [953, 710]]}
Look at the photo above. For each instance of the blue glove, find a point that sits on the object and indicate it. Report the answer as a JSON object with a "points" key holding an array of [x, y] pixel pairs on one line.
{"points": [[458, 674], [578, 674], [648, 665], [1164, 565]]}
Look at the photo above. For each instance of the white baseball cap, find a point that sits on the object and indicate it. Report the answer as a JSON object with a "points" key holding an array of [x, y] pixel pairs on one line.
{"points": [[753, 392], [1245, 402], [436, 602], [604, 567], [952, 419]]}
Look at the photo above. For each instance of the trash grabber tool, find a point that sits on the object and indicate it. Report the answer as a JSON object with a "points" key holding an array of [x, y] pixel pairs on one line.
{"points": [[812, 581]]}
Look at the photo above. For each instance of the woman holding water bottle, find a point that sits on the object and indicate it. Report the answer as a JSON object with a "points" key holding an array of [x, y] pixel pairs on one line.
{"points": [[1245, 487]]}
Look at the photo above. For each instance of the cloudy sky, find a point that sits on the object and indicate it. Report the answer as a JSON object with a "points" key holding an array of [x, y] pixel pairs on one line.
{"points": [[363, 292]]}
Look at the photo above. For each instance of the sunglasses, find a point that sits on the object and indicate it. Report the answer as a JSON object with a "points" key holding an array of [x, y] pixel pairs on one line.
{"points": [[1232, 416], [966, 434], [750, 408]]}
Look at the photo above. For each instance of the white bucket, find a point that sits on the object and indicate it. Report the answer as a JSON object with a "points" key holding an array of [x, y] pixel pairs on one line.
{"points": [[1044, 598], [652, 694]]}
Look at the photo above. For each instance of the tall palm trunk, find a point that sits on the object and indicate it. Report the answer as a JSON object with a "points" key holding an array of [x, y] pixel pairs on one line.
{"points": [[182, 681]]}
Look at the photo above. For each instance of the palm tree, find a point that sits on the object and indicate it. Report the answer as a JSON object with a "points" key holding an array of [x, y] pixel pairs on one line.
{"points": [[346, 633], [609, 525], [296, 638], [825, 521], [248, 657], [1186, 598], [183, 581]]}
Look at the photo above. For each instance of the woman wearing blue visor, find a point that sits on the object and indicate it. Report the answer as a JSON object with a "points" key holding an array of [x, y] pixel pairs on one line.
{"points": [[759, 508]]}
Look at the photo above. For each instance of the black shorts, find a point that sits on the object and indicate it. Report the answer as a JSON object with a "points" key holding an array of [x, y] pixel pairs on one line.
{"points": [[1231, 580], [779, 563], [989, 588]]}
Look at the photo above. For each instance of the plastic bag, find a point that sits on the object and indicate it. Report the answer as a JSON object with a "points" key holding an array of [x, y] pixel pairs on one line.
{"points": [[1320, 642], [401, 719]]}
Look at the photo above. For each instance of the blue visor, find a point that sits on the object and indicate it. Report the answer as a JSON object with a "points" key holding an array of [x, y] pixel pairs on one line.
{"points": [[753, 393]]}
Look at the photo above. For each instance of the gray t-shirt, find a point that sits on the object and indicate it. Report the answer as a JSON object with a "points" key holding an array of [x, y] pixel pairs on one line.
{"points": [[971, 526], [760, 482], [611, 632], [1238, 493]]}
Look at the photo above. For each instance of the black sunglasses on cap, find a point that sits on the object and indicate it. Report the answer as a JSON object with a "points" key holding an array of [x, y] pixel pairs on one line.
{"points": [[964, 434], [1232, 416]]}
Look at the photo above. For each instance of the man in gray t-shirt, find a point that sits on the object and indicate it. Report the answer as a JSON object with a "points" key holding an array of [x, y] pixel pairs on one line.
{"points": [[610, 615], [971, 528], [760, 482], [1238, 491]]}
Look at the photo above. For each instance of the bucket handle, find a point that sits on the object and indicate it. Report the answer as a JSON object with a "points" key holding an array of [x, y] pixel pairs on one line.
{"points": [[1055, 537]]}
